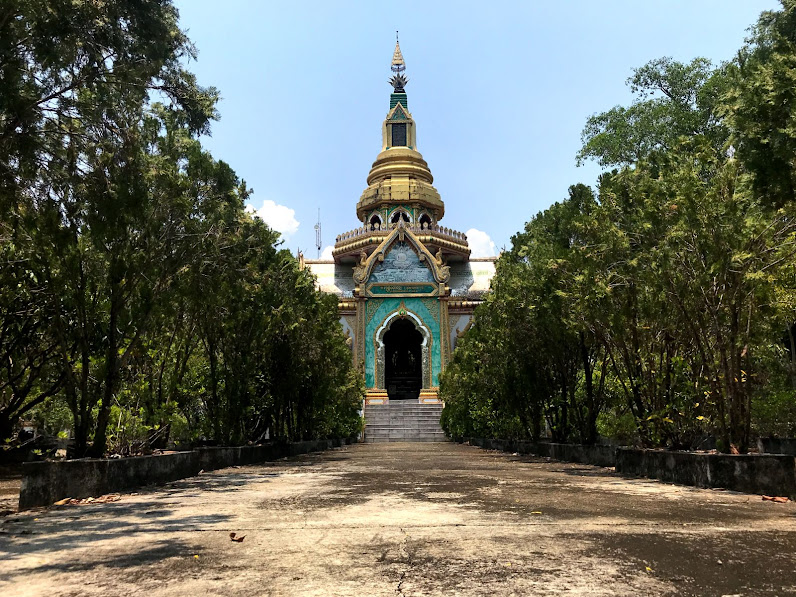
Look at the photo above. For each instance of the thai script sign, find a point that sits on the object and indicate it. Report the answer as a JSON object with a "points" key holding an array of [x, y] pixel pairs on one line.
{"points": [[393, 289]]}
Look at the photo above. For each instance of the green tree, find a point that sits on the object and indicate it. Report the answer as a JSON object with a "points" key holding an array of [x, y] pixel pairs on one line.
{"points": [[29, 371], [76, 79], [672, 100], [761, 108], [527, 357]]}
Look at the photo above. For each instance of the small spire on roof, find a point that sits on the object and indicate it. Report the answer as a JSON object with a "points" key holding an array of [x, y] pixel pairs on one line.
{"points": [[398, 66]]}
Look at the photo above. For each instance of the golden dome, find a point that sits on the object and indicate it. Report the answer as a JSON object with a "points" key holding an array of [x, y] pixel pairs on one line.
{"points": [[400, 160], [400, 175]]}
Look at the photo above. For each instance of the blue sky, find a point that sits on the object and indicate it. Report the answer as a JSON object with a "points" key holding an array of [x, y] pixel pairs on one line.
{"points": [[500, 92]]}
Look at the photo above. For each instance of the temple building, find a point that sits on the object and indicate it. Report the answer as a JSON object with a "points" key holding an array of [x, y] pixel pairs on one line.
{"points": [[406, 284]]}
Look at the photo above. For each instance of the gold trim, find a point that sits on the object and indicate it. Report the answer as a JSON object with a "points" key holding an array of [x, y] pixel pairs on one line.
{"points": [[360, 339], [347, 306], [445, 334], [429, 396], [463, 305], [374, 396]]}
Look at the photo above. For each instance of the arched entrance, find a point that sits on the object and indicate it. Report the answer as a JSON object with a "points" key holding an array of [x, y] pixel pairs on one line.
{"points": [[406, 316], [403, 356]]}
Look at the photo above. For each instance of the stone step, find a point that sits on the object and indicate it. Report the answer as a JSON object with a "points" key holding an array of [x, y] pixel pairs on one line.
{"points": [[407, 403], [401, 418], [396, 416], [405, 433], [405, 425], [402, 430], [403, 413], [418, 411], [397, 420], [432, 413], [407, 438], [369, 409], [427, 416]]}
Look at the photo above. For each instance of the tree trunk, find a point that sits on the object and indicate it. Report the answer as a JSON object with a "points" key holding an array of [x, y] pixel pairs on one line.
{"points": [[792, 353], [590, 431], [111, 366]]}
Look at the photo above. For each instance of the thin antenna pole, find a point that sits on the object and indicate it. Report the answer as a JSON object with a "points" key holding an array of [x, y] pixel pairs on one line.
{"points": [[318, 242]]}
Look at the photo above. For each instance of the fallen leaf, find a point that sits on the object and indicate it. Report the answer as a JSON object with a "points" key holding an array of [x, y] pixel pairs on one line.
{"points": [[648, 569], [62, 502], [536, 512], [777, 499], [196, 557]]}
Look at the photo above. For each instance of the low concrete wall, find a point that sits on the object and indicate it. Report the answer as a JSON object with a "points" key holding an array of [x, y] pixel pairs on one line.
{"points": [[597, 455], [223, 457], [46, 482], [770, 474], [777, 445]]}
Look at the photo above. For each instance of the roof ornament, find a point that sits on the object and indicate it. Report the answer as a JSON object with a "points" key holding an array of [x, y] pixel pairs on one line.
{"points": [[398, 66]]}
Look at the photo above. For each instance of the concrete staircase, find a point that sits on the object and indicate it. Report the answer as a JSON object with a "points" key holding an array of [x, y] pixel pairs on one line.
{"points": [[403, 421]]}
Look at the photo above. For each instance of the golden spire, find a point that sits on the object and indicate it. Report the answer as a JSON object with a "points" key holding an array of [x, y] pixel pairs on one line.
{"points": [[398, 64]]}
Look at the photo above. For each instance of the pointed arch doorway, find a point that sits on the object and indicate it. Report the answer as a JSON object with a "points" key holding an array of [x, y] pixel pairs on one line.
{"points": [[403, 356]]}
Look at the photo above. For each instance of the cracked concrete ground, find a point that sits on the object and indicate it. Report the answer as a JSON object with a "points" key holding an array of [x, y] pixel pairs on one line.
{"points": [[406, 519]]}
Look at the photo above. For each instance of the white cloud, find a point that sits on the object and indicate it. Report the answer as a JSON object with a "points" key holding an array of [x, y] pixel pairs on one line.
{"points": [[481, 245], [326, 254], [279, 217]]}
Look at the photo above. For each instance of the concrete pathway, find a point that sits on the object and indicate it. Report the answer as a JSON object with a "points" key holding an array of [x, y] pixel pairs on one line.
{"points": [[406, 519]]}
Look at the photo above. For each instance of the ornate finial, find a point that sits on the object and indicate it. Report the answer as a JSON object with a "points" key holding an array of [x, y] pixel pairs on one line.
{"points": [[398, 66]]}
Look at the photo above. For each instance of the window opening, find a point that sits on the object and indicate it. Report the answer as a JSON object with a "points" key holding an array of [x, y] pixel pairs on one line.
{"points": [[399, 135], [399, 215]]}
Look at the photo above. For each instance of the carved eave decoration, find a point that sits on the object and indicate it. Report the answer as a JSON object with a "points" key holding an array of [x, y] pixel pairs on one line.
{"points": [[399, 114], [436, 264]]}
